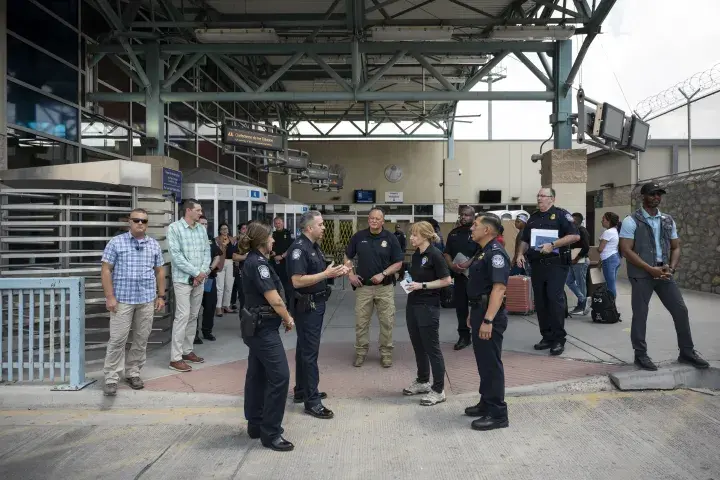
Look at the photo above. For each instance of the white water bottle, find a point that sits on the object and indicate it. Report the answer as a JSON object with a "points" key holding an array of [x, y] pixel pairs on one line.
{"points": [[407, 278]]}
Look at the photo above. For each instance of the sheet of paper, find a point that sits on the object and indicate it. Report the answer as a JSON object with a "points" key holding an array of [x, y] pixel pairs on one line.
{"points": [[405, 284], [575, 252], [460, 258], [539, 237], [596, 276]]}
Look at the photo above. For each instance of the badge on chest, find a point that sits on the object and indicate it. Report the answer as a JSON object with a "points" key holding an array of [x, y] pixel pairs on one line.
{"points": [[423, 261]]}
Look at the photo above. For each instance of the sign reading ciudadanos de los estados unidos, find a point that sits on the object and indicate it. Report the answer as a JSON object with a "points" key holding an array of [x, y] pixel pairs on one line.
{"points": [[245, 137]]}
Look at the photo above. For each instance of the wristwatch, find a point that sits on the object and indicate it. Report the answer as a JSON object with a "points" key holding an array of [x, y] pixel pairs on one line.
{"points": [[487, 321], [161, 297], [424, 285]]}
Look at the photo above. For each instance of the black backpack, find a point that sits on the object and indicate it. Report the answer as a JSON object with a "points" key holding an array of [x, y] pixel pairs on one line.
{"points": [[603, 307]]}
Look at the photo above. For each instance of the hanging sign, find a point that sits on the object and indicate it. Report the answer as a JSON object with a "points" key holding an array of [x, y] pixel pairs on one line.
{"points": [[244, 137]]}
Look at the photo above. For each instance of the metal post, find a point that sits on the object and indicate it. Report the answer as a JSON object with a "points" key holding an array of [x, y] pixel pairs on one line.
{"points": [[3, 96], [154, 107], [490, 82], [134, 196], [689, 121], [562, 103]]}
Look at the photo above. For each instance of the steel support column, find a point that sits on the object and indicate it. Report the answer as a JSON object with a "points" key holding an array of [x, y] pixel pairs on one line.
{"points": [[3, 95], [562, 103], [154, 106]]}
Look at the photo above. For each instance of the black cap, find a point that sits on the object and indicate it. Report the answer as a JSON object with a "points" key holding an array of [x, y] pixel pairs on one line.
{"points": [[650, 188]]}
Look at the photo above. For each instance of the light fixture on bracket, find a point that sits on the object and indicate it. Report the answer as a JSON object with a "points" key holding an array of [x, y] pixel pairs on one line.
{"points": [[411, 34], [532, 32], [608, 127], [237, 35]]}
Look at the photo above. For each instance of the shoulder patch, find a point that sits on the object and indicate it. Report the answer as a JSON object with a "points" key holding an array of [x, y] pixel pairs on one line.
{"points": [[296, 254], [264, 271], [497, 246], [569, 217], [498, 261]]}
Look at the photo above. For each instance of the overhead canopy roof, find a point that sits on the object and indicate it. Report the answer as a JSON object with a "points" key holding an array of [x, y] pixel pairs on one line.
{"points": [[361, 60], [203, 175]]}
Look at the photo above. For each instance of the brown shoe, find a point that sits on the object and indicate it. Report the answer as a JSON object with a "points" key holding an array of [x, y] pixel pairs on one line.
{"points": [[180, 366], [135, 383], [110, 389], [359, 360], [386, 361], [192, 358]]}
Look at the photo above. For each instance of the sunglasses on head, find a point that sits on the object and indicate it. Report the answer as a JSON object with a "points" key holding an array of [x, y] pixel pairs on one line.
{"points": [[139, 220]]}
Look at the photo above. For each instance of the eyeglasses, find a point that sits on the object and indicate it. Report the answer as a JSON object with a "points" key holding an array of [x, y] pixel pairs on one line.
{"points": [[139, 220], [544, 196]]}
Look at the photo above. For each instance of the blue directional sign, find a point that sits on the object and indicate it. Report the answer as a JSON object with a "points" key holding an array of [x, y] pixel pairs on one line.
{"points": [[304, 209], [254, 193], [172, 182]]}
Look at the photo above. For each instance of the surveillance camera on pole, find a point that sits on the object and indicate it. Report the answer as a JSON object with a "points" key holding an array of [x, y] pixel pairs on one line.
{"points": [[608, 128]]}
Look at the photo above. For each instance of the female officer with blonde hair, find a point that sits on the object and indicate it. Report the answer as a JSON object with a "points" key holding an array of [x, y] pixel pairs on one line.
{"points": [[429, 273]]}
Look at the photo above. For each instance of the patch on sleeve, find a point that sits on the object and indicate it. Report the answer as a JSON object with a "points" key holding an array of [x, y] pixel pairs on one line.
{"points": [[296, 254], [264, 271], [498, 261], [569, 217]]}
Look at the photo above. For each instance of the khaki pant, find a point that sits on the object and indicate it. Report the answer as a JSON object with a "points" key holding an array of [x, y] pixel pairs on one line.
{"points": [[382, 297], [224, 285], [187, 307], [140, 318]]}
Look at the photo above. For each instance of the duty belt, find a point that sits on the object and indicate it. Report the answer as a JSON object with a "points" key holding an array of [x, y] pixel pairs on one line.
{"points": [[482, 301], [554, 260]]}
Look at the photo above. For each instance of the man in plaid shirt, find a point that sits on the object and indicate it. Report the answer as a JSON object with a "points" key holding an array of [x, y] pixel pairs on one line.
{"points": [[132, 267], [190, 251]]}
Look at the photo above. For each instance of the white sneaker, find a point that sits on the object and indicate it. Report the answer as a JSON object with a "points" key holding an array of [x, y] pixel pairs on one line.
{"points": [[417, 388], [588, 307], [432, 398]]}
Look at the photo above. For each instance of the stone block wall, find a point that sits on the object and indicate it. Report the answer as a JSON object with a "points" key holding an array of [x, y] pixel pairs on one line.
{"points": [[693, 203]]}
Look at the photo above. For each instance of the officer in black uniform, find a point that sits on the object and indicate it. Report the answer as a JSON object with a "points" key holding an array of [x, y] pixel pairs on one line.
{"points": [[460, 241], [308, 272], [550, 261], [489, 273], [268, 375], [283, 240]]}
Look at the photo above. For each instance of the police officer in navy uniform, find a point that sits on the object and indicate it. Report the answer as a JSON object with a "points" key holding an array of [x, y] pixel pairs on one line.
{"points": [[489, 273], [283, 240], [308, 272], [550, 261], [268, 376], [460, 241]]}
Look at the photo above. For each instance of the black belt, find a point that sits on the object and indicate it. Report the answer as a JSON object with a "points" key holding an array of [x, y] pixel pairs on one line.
{"points": [[386, 281], [554, 260], [314, 297], [474, 302]]}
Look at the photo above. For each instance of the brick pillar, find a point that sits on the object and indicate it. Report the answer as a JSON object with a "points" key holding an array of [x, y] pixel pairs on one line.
{"points": [[566, 172], [3, 93]]}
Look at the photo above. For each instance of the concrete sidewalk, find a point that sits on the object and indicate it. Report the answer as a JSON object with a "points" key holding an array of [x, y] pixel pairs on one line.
{"points": [[637, 436]]}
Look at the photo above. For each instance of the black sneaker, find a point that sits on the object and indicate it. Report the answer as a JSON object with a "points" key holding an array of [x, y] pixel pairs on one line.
{"points": [[644, 362], [693, 358]]}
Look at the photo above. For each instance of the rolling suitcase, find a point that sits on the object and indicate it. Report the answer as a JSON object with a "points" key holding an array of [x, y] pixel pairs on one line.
{"points": [[519, 295]]}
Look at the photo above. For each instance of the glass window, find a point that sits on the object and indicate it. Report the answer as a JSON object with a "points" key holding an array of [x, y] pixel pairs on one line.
{"points": [[180, 137], [227, 160], [104, 135], [207, 165], [42, 71], [111, 74], [208, 150], [225, 213], [208, 207], [242, 213], [30, 109], [186, 160], [93, 23], [426, 210], [65, 9], [26, 150], [258, 211], [28, 21]]}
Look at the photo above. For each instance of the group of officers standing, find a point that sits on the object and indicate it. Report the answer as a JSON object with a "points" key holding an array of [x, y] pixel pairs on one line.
{"points": [[285, 283]]}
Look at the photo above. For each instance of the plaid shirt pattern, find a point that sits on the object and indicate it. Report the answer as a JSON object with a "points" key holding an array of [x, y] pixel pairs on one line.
{"points": [[133, 262], [190, 250]]}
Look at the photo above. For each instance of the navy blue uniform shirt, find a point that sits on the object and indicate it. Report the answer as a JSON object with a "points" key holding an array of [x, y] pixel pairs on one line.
{"points": [[554, 219], [490, 266], [306, 258], [375, 252], [427, 267], [257, 279], [460, 241]]}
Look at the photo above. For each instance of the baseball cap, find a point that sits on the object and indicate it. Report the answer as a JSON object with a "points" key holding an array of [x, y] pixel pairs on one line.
{"points": [[522, 217], [651, 187]]}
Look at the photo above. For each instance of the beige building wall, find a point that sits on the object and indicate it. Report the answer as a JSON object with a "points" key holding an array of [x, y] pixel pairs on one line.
{"points": [[485, 165]]}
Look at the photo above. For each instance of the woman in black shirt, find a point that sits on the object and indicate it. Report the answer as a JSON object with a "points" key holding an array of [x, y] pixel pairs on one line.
{"points": [[429, 274]]}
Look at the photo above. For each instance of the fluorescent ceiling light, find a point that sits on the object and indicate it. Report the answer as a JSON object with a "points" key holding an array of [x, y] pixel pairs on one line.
{"points": [[237, 35], [532, 32], [408, 34]]}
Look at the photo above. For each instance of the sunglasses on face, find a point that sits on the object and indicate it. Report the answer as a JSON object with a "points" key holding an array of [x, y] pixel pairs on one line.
{"points": [[139, 220]]}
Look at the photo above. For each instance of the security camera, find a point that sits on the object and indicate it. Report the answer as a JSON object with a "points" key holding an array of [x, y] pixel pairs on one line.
{"points": [[459, 171], [535, 157]]}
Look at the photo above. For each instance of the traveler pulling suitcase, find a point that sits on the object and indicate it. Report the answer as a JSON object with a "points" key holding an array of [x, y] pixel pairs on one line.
{"points": [[519, 295]]}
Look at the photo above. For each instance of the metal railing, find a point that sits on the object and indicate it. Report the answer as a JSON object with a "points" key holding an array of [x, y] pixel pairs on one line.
{"points": [[42, 331]]}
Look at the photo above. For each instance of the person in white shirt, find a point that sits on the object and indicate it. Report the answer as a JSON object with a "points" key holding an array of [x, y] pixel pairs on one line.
{"points": [[608, 250]]}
